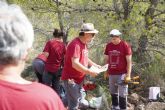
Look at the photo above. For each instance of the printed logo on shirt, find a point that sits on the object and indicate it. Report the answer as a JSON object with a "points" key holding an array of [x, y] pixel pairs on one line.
{"points": [[85, 57], [85, 52], [114, 57]]}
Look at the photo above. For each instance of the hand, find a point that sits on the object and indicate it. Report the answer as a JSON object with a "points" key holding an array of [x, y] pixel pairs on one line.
{"points": [[92, 73], [127, 78], [98, 66], [106, 75], [71, 81]]}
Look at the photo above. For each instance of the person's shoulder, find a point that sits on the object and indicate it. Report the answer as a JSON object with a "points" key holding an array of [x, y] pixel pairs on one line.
{"points": [[109, 43], [74, 42], [124, 42], [36, 84], [42, 87], [48, 42], [47, 95]]}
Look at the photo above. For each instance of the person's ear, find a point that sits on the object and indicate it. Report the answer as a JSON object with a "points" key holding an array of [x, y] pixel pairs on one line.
{"points": [[25, 55]]}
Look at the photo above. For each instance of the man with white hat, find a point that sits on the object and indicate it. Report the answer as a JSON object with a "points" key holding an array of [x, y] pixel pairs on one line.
{"points": [[76, 64], [118, 55]]}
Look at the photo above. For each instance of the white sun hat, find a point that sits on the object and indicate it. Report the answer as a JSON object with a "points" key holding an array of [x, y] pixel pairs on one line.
{"points": [[115, 32], [88, 28]]}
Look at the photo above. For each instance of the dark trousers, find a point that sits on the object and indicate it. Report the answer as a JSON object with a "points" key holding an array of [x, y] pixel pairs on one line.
{"points": [[39, 76], [73, 94], [52, 80]]}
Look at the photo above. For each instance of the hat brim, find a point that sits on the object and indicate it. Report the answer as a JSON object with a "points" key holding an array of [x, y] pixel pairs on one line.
{"points": [[118, 34], [94, 31]]}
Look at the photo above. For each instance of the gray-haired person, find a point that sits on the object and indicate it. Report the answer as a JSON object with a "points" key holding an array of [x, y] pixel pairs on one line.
{"points": [[16, 38]]}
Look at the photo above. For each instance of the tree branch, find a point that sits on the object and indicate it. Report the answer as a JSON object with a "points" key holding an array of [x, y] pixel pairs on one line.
{"points": [[163, 12], [158, 51], [42, 31], [43, 9]]}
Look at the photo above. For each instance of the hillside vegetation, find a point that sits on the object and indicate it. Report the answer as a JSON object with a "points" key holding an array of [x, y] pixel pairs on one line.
{"points": [[142, 23]]}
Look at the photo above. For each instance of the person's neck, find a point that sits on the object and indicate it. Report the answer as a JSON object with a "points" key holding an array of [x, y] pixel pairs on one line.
{"points": [[12, 73], [58, 39], [118, 42], [82, 39]]}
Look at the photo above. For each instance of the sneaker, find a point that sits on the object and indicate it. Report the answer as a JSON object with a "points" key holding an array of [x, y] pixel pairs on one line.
{"points": [[115, 108]]}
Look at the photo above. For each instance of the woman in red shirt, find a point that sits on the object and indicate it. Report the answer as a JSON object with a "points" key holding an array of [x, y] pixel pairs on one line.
{"points": [[54, 51]]}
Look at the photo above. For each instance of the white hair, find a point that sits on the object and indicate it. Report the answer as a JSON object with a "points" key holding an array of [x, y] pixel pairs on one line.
{"points": [[16, 33]]}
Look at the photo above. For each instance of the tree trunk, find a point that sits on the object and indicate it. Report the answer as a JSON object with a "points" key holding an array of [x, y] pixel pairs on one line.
{"points": [[61, 24], [143, 40]]}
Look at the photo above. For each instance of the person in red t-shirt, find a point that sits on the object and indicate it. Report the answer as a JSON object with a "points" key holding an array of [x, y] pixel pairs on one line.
{"points": [[16, 38], [38, 65], [118, 55], [54, 50], [76, 65]]}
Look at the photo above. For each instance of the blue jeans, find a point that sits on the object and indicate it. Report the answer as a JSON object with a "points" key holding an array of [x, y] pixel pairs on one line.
{"points": [[38, 66], [73, 94]]}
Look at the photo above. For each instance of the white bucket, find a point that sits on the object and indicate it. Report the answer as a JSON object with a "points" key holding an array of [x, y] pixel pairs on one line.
{"points": [[154, 93]]}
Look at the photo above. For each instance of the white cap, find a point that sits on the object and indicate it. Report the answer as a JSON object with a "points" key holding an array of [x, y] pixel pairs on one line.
{"points": [[115, 32], [88, 28]]}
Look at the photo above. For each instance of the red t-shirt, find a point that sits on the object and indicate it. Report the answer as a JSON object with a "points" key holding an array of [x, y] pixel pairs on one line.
{"points": [[56, 50], [75, 49], [33, 96], [117, 57], [42, 57]]}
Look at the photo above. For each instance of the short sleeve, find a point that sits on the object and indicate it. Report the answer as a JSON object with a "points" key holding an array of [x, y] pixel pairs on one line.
{"points": [[46, 48], [106, 50], [75, 51], [128, 50], [64, 49]]}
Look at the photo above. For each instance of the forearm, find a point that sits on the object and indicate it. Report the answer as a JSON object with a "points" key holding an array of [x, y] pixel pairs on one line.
{"points": [[106, 59], [79, 67], [129, 65], [129, 68], [90, 62]]}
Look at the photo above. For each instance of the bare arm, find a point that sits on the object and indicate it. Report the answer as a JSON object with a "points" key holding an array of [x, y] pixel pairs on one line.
{"points": [[129, 65], [79, 67], [106, 59], [90, 62]]}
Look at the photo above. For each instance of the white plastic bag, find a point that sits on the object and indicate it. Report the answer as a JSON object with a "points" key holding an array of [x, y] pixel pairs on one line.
{"points": [[83, 102], [95, 102]]}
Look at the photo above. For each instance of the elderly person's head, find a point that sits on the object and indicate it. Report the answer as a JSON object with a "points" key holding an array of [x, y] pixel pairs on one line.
{"points": [[16, 34], [87, 32]]}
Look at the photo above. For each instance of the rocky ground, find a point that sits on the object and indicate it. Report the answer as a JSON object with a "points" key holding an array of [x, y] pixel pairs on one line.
{"points": [[137, 102]]}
